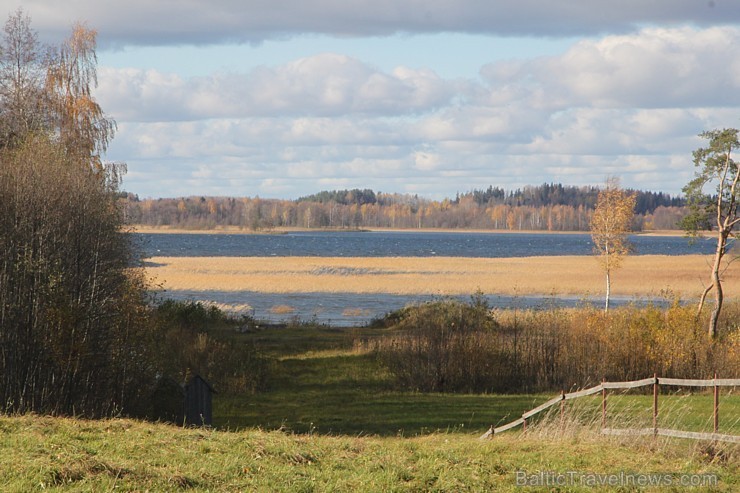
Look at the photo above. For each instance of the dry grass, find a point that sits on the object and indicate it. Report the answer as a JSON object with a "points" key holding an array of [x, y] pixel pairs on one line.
{"points": [[649, 275]]}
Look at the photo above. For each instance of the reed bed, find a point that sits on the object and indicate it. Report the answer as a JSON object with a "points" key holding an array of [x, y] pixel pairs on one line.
{"points": [[640, 276]]}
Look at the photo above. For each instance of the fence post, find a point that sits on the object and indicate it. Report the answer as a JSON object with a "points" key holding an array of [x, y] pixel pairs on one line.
{"points": [[562, 409], [655, 405], [603, 404], [524, 423], [716, 404]]}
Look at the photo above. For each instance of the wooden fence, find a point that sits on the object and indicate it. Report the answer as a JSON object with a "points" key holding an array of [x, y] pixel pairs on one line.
{"points": [[656, 382]]}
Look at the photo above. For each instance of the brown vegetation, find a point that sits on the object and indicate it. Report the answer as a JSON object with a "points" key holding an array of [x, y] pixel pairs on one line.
{"points": [[72, 311], [566, 275], [455, 347]]}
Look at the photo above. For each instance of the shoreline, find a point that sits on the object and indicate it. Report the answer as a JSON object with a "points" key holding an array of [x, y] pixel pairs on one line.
{"points": [[235, 230]]}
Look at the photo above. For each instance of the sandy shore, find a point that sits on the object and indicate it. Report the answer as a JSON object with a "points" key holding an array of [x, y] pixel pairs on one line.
{"points": [[641, 276]]}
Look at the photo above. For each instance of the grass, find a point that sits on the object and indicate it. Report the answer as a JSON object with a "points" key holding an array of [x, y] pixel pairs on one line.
{"points": [[649, 275], [58, 454], [323, 383], [333, 422], [338, 392], [628, 409]]}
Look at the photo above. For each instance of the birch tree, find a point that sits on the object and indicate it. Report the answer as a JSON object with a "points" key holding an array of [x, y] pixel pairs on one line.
{"points": [[72, 308], [610, 225], [22, 67], [717, 170], [82, 126]]}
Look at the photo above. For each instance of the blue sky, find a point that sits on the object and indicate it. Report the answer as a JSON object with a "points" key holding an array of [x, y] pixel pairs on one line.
{"points": [[441, 51], [434, 97]]}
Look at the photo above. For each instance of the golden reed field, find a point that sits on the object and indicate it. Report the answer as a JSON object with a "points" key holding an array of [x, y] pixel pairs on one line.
{"points": [[649, 275]]}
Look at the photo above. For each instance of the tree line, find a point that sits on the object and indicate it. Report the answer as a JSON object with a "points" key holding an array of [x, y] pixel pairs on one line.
{"points": [[548, 207]]}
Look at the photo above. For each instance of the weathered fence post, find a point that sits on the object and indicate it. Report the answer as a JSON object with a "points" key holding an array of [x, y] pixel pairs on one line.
{"points": [[716, 404], [603, 403], [655, 405], [562, 409]]}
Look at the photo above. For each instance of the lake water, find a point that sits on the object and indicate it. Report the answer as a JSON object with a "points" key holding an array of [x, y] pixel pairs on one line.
{"points": [[355, 309], [400, 244]]}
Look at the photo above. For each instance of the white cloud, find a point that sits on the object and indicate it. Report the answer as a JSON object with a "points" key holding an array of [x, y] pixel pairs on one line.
{"points": [[654, 68], [326, 84], [629, 105]]}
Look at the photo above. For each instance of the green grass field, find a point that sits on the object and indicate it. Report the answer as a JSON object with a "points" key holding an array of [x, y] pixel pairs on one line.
{"points": [[58, 454]]}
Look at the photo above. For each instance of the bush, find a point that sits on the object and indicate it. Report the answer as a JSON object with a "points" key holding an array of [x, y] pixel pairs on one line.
{"points": [[445, 346], [192, 338], [456, 347], [72, 310]]}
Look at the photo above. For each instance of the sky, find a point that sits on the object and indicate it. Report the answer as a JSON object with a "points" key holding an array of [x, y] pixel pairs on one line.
{"points": [[285, 98]]}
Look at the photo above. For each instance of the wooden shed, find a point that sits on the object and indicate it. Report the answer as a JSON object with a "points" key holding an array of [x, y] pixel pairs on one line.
{"points": [[198, 402]]}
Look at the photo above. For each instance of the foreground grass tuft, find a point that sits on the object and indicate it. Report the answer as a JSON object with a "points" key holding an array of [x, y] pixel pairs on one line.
{"points": [[61, 454]]}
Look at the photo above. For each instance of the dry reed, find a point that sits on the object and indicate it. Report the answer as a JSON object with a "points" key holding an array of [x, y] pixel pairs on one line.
{"points": [[641, 276]]}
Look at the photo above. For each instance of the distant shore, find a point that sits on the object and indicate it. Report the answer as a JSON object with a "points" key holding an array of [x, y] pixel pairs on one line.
{"points": [[138, 228]]}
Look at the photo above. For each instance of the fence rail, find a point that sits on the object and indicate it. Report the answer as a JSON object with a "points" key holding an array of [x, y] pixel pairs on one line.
{"points": [[655, 431]]}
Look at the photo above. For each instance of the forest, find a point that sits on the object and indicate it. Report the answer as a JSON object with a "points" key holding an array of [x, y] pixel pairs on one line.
{"points": [[547, 207]]}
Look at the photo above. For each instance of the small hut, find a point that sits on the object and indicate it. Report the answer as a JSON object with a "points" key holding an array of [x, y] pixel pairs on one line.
{"points": [[198, 402]]}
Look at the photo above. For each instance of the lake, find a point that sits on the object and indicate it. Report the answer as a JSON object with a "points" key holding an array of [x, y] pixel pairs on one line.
{"points": [[400, 244], [356, 309]]}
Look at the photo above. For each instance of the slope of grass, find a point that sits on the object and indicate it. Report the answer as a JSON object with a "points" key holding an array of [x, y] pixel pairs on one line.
{"points": [[60, 454]]}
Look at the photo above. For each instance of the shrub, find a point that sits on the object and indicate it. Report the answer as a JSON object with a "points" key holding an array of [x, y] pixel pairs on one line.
{"points": [[192, 338], [445, 346], [456, 347]]}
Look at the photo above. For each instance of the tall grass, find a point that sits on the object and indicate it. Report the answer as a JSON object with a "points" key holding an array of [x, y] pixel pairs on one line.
{"points": [[448, 346], [194, 338], [629, 423]]}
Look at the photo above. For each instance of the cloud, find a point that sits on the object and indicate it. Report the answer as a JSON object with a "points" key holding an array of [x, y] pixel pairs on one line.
{"points": [[326, 84], [627, 105], [654, 68], [174, 22]]}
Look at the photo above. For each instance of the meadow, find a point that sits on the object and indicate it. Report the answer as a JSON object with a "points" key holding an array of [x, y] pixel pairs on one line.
{"points": [[640, 276], [333, 421], [324, 382], [61, 454]]}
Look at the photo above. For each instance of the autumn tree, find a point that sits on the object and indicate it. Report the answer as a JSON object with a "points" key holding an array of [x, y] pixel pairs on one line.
{"points": [[717, 209], [72, 307], [22, 70], [610, 225], [82, 126]]}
